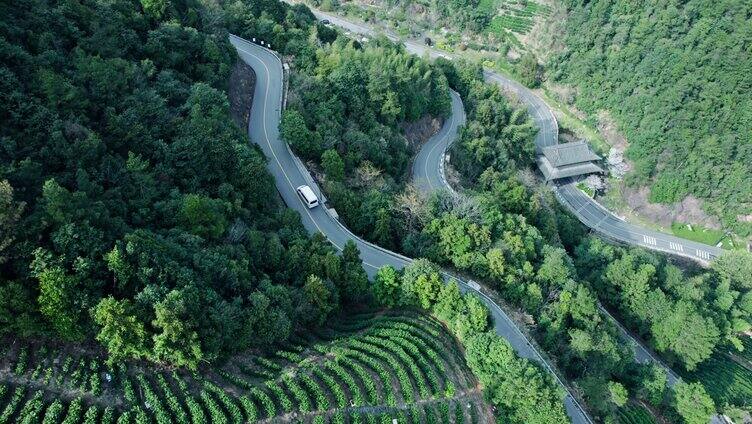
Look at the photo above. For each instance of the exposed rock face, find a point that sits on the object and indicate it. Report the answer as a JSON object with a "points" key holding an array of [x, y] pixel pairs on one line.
{"points": [[618, 166], [418, 132], [242, 82], [688, 210]]}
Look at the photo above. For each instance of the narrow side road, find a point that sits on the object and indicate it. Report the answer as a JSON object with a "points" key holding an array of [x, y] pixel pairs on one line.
{"points": [[289, 174]]}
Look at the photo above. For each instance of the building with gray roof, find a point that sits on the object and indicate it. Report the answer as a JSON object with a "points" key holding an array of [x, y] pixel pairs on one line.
{"points": [[568, 160]]}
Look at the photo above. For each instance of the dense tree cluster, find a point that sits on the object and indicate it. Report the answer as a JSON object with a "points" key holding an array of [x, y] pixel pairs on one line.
{"points": [[132, 210], [512, 235], [351, 98], [497, 137], [345, 104], [522, 392], [684, 316], [676, 76]]}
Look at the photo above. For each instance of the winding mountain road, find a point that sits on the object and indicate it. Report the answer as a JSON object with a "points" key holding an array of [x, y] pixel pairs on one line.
{"points": [[289, 173], [428, 172], [428, 167], [587, 210]]}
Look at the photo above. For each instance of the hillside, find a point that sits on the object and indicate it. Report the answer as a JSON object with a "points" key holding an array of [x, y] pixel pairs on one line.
{"points": [[676, 76], [373, 365], [137, 215], [134, 211]]}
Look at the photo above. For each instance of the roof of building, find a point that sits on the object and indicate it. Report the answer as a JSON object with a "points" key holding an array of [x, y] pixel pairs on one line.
{"points": [[569, 153], [551, 172]]}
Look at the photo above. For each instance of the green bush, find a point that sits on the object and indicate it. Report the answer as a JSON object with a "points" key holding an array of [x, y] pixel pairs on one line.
{"points": [[54, 413], [31, 412], [229, 403], [22, 361], [267, 404], [333, 387], [173, 403], [216, 414], [75, 411], [249, 409]]}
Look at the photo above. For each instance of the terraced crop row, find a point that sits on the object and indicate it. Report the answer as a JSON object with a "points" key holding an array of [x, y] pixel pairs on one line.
{"points": [[747, 352], [518, 24], [635, 414], [370, 368], [725, 380]]}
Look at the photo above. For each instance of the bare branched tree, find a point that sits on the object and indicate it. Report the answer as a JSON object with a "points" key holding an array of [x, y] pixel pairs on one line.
{"points": [[460, 204], [412, 203], [368, 175]]}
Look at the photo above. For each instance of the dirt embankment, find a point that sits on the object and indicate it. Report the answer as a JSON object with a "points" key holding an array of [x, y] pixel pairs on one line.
{"points": [[688, 210], [420, 131], [242, 83]]}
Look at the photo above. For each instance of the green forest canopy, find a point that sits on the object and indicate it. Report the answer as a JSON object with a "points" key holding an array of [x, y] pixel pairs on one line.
{"points": [[677, 76], [134, 210]]}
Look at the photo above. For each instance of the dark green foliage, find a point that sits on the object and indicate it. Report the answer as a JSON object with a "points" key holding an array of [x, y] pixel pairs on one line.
{"points": [[344, 110], [496, 136], [523, 392], [133, 210], [529, 70], [685, 316], [676, 77]]}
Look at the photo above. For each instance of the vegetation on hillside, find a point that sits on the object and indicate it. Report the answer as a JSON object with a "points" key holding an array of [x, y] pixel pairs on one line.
{"points": [[369, 367], [505, 231], [676, 76], [343, 115], [521, 391], [134, 211], [687, 317], [137, 215], [490, 29]]}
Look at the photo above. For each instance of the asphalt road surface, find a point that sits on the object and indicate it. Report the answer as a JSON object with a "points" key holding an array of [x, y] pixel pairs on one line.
{"points": [[428, 167], [289, 174], [587, 210]]}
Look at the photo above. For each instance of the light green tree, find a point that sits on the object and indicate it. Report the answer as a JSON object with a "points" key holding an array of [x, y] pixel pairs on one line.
{"points": [[334, 167], [176, 342], [386, 286], [155, 8], [121, 331], [617, 393], [59, 302], [692, 403]]}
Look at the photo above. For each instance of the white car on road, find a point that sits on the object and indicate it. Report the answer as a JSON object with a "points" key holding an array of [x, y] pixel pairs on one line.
{"points": [[307, 196]]}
